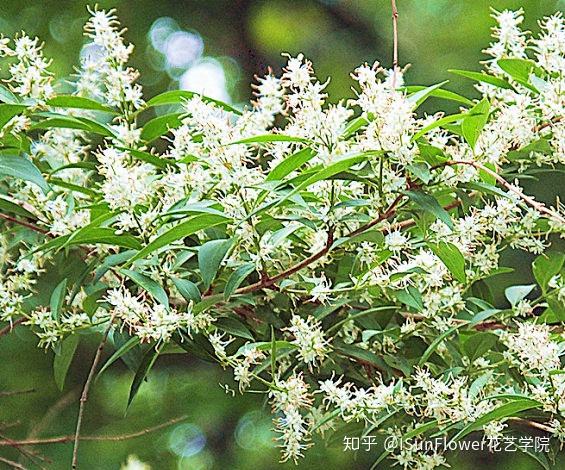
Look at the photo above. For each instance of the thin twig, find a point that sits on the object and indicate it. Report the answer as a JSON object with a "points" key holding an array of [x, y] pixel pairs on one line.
{"points": [[533, 424], [72, 437], [11, 326], [85, 390], [12, 464], [394, 42], [509, 187], [10, 393], [34, 457], [270, 281], [23, 223]]}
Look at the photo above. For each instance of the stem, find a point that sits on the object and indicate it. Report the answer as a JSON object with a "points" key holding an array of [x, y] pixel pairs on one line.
{"points": [[12, 325], [394, 42], [84, 396], [270, 281], [23, 223], [72, 437], [506, 185]]}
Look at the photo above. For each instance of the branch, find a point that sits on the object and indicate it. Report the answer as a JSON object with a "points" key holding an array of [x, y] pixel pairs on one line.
{"points": [[23, 223], [270, 281], [394, 42], [527, 199], [72, 437], [12, 325], [16, 392], [12, 464], [84, 396]]}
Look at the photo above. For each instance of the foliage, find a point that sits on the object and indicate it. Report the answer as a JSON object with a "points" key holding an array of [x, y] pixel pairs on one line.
{"points": [[337, 257]]}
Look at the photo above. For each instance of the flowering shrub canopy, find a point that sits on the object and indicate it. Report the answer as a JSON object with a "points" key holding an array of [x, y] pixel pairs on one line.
{"points": [[337, 257]]}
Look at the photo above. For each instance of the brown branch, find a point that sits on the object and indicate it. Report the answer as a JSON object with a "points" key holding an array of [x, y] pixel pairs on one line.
{"points": [[72, 437], [23, 223], [16, 392], [506, 185], [12, 325], [267, 282], [12, 464], [86, 389], [394, 42]]}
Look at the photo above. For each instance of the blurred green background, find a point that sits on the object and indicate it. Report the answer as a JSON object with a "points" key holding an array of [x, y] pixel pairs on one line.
{"points": [[216, 47]]}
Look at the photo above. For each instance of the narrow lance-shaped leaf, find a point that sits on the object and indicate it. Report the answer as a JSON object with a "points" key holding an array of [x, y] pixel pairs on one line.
{"points": [[57, 298], [63, 360], [72, 101], [180, 96], [187, 289], [22, 168], [210, 256], [184, 229], [430, 204], [237, 277], [476, 119], [151, 286], [453, 259], [127, 346], [160, 126], [146, 364]]}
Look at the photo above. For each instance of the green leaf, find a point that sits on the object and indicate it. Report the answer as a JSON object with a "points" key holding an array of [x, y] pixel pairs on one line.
{"points": [[104, 236], [7, 96], [478, 344], [187, 289], [259, 139], [411, 297], [361, 354], [430, 204], [210, 256], [160, 126], [420, 96], [127, 346], [290, 163], [233, 327], [13, 208], [8, 111], [354, 126], [57, 298], [180, 96], [151, 286], [264, 346], [147, 157], [435, 343], [184, 229], [331, 170], [507, 409], [438, 93], [439, 123], [474, 122], [147, 362], [519, 69], [453, 259], [516, 293], [63, 360], [483, 77], [22, 168], [546, 266], [72, 101], [55, 120], [236, 278]]}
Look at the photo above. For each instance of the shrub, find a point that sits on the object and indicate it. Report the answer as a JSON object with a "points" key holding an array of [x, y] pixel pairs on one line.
{"points": [[336, 256]]}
